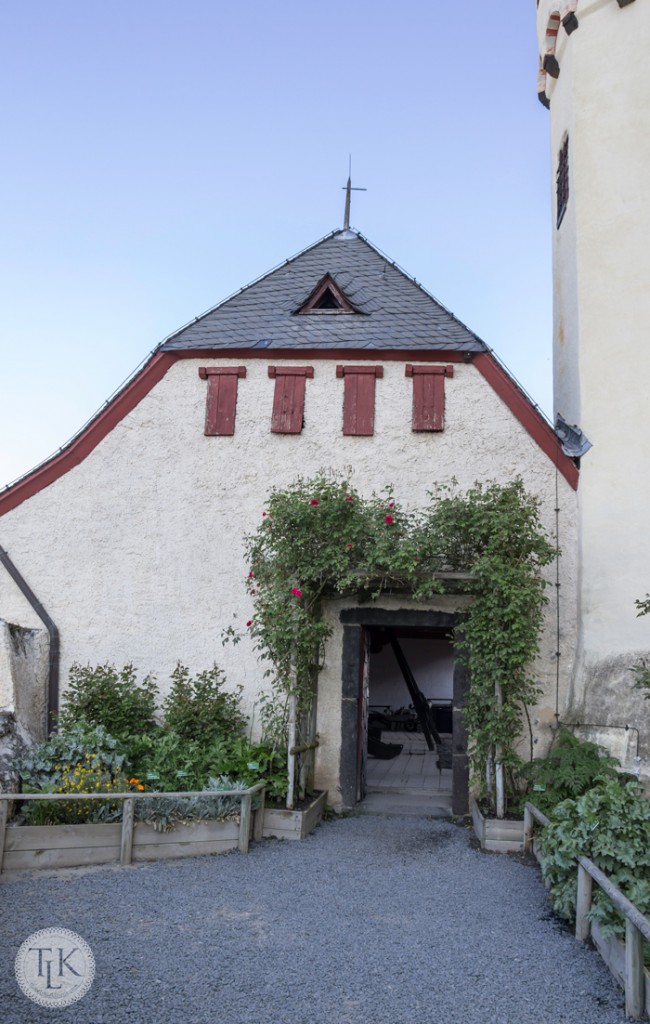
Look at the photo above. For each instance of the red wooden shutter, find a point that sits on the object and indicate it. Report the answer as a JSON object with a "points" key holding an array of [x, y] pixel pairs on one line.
{"points": [[429, 395], [222, 398], [359, 399], [289, 397]]}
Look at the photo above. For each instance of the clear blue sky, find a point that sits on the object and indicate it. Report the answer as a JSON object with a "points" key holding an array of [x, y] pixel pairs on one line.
{"points": [[160, 154]]}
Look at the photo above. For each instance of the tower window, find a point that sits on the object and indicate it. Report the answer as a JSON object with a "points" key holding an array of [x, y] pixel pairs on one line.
{"points": [[562, 180]]}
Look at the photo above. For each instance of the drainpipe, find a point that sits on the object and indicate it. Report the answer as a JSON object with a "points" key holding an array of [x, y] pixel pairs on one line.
{"points": [[53, 669]]}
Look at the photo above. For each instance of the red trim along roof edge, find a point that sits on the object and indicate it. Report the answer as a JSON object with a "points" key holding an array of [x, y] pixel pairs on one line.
{"points": [[84, 443], [520, 406]]}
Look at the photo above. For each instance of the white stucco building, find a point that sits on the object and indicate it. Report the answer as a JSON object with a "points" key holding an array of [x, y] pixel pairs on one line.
{"points": [[595, 79], [132, 537], [128, 545]]}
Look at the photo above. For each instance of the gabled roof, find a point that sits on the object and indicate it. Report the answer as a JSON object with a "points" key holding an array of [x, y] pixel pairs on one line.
{"points": [[393, 310]]}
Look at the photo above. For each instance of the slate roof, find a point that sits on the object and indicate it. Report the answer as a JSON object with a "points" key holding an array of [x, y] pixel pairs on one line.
{"points": [[394, 310]]}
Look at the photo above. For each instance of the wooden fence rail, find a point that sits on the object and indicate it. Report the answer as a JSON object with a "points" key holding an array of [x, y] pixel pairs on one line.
{"points": [[637, 926], [128, 811]]}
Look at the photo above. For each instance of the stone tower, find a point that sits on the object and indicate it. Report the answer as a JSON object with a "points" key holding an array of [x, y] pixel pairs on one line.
{"points": [[595, 79]]}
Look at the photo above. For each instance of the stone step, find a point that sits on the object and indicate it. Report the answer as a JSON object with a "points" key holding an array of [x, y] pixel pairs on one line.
{"points": [[406, 804]]}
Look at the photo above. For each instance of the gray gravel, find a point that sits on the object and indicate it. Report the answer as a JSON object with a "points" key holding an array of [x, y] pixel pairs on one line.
{"points": [[369, 920]]}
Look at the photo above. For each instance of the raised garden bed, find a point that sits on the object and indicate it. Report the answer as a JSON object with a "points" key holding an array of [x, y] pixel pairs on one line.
{"points": [[296, 824], [500, 835], [29, 847], [66, 846]]}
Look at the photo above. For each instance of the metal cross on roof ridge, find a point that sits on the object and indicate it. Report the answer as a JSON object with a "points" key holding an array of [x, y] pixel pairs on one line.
{"points": [[349, 189]]}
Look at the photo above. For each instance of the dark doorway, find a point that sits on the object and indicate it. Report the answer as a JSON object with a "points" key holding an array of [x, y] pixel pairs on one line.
{"points": [[410, 699], [403, 688]]}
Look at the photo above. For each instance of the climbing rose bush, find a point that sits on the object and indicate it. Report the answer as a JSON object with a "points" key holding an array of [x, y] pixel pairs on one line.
{"points": [[320, 538]]}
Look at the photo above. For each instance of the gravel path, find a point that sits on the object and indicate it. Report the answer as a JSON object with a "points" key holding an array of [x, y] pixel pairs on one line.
{"points": [[377, 920]]}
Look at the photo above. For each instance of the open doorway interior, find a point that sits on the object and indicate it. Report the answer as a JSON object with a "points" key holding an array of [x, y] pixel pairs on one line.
{"points": [[409, 733]]}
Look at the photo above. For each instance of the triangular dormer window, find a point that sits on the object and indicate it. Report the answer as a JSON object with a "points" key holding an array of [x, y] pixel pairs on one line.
{"points": [[327, 297]]}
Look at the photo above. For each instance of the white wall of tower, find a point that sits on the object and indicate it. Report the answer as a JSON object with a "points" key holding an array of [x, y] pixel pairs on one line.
{"points": [[602, 332]]}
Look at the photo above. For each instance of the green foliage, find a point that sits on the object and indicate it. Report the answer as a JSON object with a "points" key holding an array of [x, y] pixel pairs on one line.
{"points": [[609, 824], [169, 763], [251, 763], [109, 697], [87, 776], [201, 737], [44, 766], [494, 532], [642, 672], [571, 767], [198, 708], [164, 813], [320, 539]]}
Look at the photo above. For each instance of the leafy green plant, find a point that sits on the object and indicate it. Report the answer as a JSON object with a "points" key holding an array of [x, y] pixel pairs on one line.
{"points": [[571, 767], [609, 824], [199, 708], [111, 697], [169, 763], [44, 766], [251, 763]]}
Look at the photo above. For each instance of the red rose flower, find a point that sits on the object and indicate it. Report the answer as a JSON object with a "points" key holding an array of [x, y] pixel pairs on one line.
{"points": [[250, 622], [296, 592], [314, 501], [251, 576], [388, 519], [391, 504], [349, 497], [349, 546]]}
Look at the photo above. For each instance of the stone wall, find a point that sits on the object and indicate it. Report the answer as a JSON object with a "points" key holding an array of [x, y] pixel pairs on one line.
{"points": [[24, 660]]}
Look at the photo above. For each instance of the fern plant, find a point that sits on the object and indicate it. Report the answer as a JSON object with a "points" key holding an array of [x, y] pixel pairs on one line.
{"points": [[571, 767]]}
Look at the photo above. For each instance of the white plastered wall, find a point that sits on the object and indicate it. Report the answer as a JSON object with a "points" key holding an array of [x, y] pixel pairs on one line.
{"points": [[602, 332], [138, 552]]}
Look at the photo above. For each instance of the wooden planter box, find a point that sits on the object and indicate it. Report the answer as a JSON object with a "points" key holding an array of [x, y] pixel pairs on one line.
{"points": [[283, 824], [29, 847], [500, 835], [65, 846]]}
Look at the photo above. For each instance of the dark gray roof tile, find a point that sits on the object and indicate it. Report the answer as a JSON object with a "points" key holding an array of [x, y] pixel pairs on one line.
{"points": [[394, 310]]}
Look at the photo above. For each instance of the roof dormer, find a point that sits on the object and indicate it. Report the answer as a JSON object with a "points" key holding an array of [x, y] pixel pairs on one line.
{"points": [[327, 297]]}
